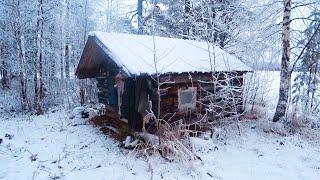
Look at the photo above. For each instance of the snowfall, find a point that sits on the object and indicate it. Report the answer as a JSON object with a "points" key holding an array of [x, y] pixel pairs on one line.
{"points": [[62, 145]]}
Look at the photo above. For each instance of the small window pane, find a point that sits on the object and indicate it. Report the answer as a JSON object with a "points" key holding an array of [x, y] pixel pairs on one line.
{"points": [[187, 98]]}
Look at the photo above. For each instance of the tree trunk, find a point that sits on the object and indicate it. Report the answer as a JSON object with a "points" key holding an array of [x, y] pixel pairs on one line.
{"points": [[52, 74], [4, 73], [82, 83], [140, 23], [82, 92], [314, 86], [285, 74], [22, 81], [187, 11], [67, 40], [67, 61], [307, 104], [38, 64], [35, 80], [61, 64], [62, 47]]}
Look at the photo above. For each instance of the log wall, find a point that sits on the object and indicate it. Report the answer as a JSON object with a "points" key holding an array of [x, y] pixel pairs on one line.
{"points": [[205, 90]]}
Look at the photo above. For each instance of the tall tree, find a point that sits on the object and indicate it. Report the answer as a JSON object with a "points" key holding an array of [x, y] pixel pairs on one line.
{"points": [[38, 64], [67, 49], [20, 42], [187, 16], [140, 16], [285, 73]]}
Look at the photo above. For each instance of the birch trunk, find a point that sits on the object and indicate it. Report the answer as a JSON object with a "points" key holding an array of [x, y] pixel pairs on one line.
{"points": [[82, 83], [67, 40], [4, 71], [187, 11], [285, 74], [21, 53], [62, 46], [67, 61], [38, 65], [52, 74], [140, 23], [22, 80], [35, 79]]}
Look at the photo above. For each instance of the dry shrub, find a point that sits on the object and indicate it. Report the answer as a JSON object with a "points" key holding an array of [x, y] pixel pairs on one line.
{"points": [[299, 122], [170, 140], [257, 112], [174, 143], [250, 115], [302, 124]]}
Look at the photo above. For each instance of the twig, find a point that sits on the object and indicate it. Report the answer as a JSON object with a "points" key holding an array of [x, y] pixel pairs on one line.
{"points": [[302, 51]]}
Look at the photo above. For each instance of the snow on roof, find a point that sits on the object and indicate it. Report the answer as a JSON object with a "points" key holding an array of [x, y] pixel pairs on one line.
{"points": [[135, 53]]}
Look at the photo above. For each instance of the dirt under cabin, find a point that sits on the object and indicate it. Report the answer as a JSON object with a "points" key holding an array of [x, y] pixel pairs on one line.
{"points": [[171, 79]]}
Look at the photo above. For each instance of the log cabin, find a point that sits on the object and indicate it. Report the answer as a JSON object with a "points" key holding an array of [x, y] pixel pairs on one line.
{"points": [[175, 79]]}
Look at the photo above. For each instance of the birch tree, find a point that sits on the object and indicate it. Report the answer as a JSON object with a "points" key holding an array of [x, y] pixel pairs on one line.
{"points": [[285, 74], [20, 42], [140, 21], [38, 64], [34, 39]]}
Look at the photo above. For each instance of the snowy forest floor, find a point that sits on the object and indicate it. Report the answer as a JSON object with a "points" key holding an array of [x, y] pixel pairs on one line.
{"points": [[54, 146]]}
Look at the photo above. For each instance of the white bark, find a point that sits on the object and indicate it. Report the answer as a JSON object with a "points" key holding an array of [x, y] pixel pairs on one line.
{"points": [[285, 74], [22, 79]]}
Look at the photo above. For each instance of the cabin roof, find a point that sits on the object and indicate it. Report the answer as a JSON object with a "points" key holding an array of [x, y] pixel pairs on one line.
{"points": [[135, 54]]}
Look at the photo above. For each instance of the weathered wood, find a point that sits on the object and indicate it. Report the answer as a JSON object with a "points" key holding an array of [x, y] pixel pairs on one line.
{"points": [[111, 124], [203, 82], [170, 112]]}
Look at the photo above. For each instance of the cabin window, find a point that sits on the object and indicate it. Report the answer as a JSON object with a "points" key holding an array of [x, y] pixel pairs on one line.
{"points": [[187, 98], [235, 81]]}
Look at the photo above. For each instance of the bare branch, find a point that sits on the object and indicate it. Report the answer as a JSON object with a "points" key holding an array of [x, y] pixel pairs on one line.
{"points": [[302, 51]]}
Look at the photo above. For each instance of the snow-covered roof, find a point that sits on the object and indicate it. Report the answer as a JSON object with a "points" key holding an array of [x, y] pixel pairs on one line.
{"points": [[135, 53]]}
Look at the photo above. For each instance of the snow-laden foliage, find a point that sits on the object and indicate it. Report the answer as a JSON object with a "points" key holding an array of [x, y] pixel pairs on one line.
{"points": [[306, 85], [214, 21], [41, 42]]}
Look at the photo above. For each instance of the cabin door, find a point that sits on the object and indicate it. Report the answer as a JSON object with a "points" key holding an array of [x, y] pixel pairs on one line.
{"points": [[112, 97], [107, 93]]}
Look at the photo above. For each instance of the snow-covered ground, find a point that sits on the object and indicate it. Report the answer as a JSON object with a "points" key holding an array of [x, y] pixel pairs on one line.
{"points": [[53, 146]]}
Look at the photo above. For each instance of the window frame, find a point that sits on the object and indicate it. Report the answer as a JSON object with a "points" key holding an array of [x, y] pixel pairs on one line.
{"points": [[187, 106]]}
